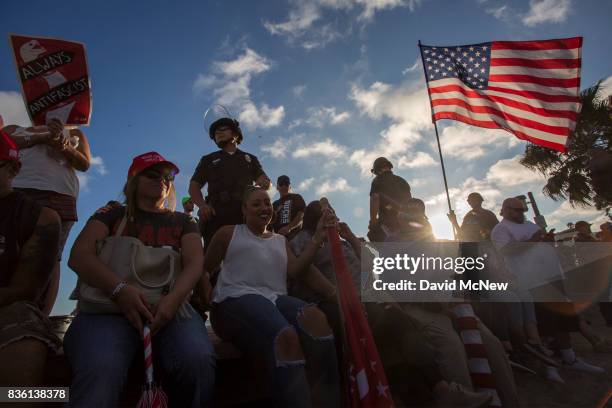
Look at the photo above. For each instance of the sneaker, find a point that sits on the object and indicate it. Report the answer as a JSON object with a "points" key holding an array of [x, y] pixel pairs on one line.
{"points": [[580, 365], [458, 396], [552, 374]]}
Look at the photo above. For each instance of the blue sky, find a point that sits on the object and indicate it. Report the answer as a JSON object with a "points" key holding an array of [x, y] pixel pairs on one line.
{"points": [[320, 87]]}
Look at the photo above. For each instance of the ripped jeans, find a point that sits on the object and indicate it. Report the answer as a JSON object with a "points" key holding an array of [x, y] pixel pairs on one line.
{"points": [[257, 326]]}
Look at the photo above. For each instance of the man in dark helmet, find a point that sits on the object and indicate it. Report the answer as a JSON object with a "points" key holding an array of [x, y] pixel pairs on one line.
{"points": [[388, 194], [477, 223], [228, 172]]}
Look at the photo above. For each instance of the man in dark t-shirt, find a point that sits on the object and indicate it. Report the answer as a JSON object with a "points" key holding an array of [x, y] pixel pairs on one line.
{"points": [[477, 223], [227, 172], [288, 209], [388, 194]]}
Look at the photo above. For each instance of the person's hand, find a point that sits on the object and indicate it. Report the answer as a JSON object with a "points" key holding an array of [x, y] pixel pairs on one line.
{"points": [[345, 231], [56, 127], [328, 219], [134, 306], [206, 212], [452, 217], [284, 230], [164, 312]]}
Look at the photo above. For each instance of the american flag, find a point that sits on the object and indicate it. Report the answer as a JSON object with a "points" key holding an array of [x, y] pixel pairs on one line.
{"points": [[529, 88]]}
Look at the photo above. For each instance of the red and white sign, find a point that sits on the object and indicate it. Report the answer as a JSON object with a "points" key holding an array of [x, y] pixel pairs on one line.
{"points": [[54, 79]]}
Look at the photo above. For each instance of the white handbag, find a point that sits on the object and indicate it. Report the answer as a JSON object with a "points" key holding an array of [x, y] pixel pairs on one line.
{"points": [[152, 270]]}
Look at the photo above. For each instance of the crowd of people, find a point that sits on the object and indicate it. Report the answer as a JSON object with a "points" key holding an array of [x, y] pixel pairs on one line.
{"points": [[263, 272]]}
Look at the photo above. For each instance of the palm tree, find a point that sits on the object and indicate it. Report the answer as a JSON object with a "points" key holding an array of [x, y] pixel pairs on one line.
{"points": [[568, 177]]}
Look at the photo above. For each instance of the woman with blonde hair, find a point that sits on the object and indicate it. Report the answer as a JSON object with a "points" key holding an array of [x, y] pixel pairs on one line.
{"points": [[102, 346]]}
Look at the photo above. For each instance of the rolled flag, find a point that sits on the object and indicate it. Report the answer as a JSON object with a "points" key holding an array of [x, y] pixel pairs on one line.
{"points": [[368, 386], [152, 395], [466, 323]]}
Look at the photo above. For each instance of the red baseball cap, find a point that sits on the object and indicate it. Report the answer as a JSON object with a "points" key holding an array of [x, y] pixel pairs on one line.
{"points": [[146, 160], [8, 149]]}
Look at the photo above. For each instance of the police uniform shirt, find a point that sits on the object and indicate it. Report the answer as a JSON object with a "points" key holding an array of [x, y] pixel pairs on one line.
{"points": [[227, 175]]}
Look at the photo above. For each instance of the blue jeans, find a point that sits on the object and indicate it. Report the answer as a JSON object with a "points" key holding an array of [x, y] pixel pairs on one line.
{"points": [[102, 347], [253, 324]]}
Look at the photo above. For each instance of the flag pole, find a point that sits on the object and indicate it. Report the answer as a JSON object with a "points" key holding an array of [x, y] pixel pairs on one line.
{"points": [[450, 209]]}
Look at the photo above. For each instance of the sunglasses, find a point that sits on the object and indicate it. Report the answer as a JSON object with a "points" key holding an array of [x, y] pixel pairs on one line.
{"points": [[521, 209], [283, 183], [156, 175]]}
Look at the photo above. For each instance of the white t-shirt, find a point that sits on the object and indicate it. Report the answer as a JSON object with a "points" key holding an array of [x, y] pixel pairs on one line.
{"points": [[533, 263], [45, 168]]}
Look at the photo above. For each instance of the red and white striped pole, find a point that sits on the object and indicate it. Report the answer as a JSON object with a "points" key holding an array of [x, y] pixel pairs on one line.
{"points": [[152, 396]]}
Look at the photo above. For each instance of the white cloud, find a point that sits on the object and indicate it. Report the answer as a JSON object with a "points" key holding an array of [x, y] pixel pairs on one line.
{"points": [[407, 105], [407, 102], [249, 63], [300, 20], [300, 27], [306, 184], [327, 148], [418, 160], [470, 142], [414, 67], [418, 182], [547, 11], [278, 149], [264, 117], [371, 7], [230, 83], [204, 82], [606, 87], [321, 116], [12, 109], [98, 164], [565, 214], [83, 181], [335, 186], [305, 24], [499, 13], [509, 173], [298, 91]]}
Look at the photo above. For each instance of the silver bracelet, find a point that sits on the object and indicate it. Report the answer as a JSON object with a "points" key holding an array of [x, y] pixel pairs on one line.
{"points": [[117, 289]]}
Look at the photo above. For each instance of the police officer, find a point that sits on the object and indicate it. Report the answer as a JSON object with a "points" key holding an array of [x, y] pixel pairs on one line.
{"points": [[227, 172]]}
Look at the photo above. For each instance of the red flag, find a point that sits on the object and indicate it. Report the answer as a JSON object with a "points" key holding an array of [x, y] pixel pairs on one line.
{"points": [[368, 386], [529, 88], [54, 79]]}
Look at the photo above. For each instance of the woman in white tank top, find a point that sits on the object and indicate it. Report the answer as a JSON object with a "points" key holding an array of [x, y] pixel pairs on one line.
{"points": [[251, 309]]}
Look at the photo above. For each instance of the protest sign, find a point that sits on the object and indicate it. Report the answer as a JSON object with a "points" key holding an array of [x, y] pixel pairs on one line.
{"points": [[54, 79]]}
